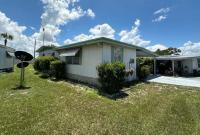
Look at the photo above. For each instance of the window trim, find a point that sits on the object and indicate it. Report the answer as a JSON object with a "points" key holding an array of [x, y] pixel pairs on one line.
{"points": [[73, 57], [112, 53]]}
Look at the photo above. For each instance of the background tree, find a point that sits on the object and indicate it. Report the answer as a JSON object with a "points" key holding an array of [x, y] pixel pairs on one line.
{"points": [[169, 51], [6, 37]]}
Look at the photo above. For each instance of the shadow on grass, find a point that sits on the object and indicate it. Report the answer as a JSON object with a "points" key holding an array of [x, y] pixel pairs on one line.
{"points": [[21, 88], [116, 96]]}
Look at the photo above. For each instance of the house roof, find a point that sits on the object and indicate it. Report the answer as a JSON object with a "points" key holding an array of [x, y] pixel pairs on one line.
{"points": [[140, 50], [176, 57], [7, 48], [44, 48]]}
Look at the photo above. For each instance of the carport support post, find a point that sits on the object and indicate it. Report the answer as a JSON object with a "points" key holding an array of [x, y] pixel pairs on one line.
{"points": [[173, 67], [154, 66]]}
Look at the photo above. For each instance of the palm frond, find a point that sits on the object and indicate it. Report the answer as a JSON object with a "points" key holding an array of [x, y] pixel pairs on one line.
{"points": [[10, 37]]}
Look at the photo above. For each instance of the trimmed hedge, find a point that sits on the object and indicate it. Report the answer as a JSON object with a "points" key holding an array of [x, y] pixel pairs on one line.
{"points": [[50, 66], [43, 63], [111, 76], [57, 69]]}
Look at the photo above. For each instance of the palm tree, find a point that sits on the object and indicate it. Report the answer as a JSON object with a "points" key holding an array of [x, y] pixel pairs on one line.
{"points": [[6, 37]]}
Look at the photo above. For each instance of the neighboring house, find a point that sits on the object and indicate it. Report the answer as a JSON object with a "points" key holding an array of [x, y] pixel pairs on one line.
{"points": [[6, 58], [48, 51], [82, 58], [178, 64]]}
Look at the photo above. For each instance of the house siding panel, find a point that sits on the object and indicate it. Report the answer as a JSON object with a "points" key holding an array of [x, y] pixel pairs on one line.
{"points": [[128, 55], [91, 57]]}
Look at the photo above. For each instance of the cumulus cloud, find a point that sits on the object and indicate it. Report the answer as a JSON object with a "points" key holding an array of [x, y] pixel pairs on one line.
{"points": [[103, 30], [58, 13], [190, 48], [90, 13], [156, 47], [133, 36], [20, 41], [161, 14]]}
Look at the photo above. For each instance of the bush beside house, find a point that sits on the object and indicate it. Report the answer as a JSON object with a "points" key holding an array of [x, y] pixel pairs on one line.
{"points": [[49, 66], [143, 72], [144, 67], [111, 76], [57, 69]]}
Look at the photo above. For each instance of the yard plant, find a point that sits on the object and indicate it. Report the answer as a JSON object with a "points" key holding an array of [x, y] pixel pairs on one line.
{"points": [[111, 76], [49, 66]]}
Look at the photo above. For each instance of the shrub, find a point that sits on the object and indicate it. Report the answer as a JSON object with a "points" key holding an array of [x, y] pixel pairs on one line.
{"points": [[143, 72], [111, 76], [36, 65], [44, 63], [57, 69], [141, 61]]}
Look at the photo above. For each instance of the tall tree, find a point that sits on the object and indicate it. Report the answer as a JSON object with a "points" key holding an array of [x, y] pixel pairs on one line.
{"points": [[169, 51], [6, 37]]}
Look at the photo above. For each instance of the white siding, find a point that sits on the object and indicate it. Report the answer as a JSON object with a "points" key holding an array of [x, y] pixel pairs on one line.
{"points": [[194, 63], [91, 57], [106, 53], [94, 55], [5, 61], [188, 63], [129, 54]]}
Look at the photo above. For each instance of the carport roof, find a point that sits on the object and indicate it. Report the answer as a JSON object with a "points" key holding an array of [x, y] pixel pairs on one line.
{"points": [[176, 57]]}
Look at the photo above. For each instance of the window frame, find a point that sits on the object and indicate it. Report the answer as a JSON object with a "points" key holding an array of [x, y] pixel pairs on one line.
{"points": [[113, 53], [73, 59]]}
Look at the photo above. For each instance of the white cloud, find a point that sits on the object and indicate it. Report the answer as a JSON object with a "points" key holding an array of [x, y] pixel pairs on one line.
{"points": [[58, 13], [162, 11], [156, 47], [133, 36], [20, 41], [103, 30], [90, 13], [50, 33], [190, 48], [160, 18]]}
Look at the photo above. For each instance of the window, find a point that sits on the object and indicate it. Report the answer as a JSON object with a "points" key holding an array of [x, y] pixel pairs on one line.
{"points": [[198, 62], [117, 54], [76, 60]]}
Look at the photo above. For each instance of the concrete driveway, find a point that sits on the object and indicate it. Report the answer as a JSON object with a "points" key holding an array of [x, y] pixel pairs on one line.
{"points": [[183, 81]]}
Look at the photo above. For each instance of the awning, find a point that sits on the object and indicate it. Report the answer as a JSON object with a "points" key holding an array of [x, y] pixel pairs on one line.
{"points": [[11, 54], [68, 53]]}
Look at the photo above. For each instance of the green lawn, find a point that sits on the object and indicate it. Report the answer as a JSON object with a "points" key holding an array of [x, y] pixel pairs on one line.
{"points": [[64, 108]]}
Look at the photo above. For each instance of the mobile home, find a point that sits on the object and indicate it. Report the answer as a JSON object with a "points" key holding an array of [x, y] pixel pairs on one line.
{"points": [[6, 58], [82, 58]]}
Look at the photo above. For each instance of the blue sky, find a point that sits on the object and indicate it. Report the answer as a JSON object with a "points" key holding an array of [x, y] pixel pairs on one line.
{"points": [[179, 24]]}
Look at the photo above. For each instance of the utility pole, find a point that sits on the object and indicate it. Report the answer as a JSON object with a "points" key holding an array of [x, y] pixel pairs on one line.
{"points": [[34, 48], [43, 39]]}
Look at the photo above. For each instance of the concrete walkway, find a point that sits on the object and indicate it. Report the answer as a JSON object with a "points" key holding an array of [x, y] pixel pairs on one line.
{"points": [[183, 81]]}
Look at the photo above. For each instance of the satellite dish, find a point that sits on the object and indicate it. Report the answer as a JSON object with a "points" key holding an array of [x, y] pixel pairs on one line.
{"points": [[23, 56], [22, 64]]}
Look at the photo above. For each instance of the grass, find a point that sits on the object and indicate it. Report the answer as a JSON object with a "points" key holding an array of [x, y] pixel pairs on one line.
{"points": [[47, 107]]}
